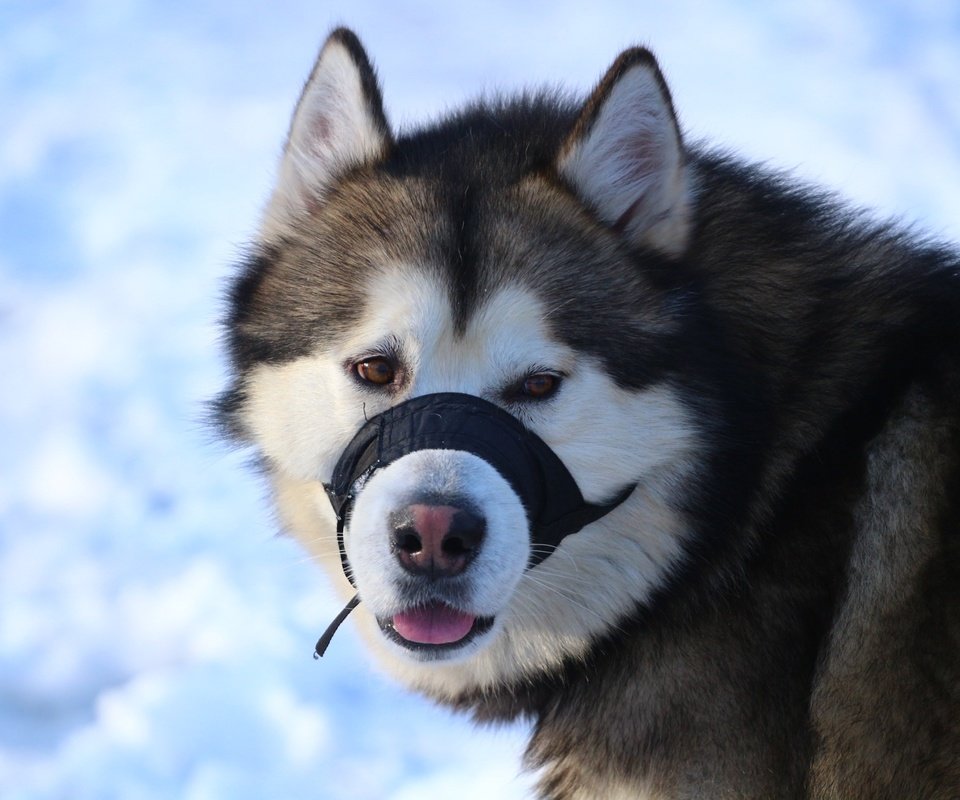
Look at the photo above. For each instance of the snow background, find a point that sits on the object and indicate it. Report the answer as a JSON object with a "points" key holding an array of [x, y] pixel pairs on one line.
{"points": [[155, 637]]}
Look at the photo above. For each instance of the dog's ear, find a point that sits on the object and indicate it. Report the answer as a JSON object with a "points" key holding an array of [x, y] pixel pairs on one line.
{"points": [[338, 124], [625, 158]]}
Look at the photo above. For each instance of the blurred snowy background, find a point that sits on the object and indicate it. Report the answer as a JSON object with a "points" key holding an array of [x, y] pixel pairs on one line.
{"points": [[155, 638]]}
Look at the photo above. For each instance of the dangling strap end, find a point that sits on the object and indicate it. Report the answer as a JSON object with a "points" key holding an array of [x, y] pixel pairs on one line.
{"points": [[324, 641]]}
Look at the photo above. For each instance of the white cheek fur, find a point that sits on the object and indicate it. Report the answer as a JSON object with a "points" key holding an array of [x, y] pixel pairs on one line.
{"points": [[609, 437], [294, 415]]}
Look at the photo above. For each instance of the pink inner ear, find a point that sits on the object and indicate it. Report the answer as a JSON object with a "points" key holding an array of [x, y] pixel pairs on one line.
{"points": [[321, 125], [628, 164], [319, 131], [640, 166], [644, 148]]}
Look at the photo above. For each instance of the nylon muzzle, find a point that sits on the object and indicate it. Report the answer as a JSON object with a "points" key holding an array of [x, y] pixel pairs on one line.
{"points": [[550, 496]]}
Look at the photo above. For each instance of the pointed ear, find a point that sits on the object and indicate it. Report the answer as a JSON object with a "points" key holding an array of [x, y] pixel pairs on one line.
{"points": [[625, 158], [338, 123]]}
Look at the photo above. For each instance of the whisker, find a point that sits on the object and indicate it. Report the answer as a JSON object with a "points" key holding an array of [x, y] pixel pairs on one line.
{"points": [[567, 596]]}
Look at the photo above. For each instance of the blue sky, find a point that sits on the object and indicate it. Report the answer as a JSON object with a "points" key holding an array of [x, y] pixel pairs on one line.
{"points": [[154, 636]]}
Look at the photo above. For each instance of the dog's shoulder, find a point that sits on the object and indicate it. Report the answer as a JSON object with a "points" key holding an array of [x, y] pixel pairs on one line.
{"points": [[887, 697]]}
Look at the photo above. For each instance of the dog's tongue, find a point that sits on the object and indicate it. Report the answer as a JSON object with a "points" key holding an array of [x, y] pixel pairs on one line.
{"points": [[433, 624]]}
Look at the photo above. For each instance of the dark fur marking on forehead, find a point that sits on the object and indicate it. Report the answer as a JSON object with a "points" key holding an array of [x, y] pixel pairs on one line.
{"points": [[463, 257], [471, 158]]}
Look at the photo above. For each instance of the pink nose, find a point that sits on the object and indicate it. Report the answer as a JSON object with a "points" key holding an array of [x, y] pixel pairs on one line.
{"points": [[438, 541]]}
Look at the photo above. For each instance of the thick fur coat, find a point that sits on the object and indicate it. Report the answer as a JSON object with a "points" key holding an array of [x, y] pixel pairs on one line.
{"points": [[775, 610]]}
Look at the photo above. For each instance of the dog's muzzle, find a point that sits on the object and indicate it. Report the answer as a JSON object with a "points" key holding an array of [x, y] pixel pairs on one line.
{"points": [[550, 496]]}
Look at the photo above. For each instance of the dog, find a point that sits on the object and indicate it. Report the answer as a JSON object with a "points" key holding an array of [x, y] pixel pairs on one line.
{"points": [[651, 446]]}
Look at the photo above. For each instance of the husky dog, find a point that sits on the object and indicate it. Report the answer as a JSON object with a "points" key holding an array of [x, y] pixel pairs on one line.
{"points": [[652, 447]]}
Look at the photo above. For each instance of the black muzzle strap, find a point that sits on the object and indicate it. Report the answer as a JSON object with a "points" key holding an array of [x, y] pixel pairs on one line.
{"points": [[450, 421]]}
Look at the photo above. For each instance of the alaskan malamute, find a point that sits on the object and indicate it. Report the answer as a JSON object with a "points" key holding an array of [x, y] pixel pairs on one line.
{"points": [[654, 447]]}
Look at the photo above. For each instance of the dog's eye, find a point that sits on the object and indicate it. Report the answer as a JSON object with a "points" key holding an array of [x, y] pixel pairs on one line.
{"points": [[540, 385], [376, 370]]}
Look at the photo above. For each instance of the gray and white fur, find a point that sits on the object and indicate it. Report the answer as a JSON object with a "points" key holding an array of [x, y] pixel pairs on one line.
{"points": [[775, 610]]}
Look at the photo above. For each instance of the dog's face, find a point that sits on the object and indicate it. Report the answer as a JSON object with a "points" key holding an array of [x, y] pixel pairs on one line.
{"points": [[379, 282]]}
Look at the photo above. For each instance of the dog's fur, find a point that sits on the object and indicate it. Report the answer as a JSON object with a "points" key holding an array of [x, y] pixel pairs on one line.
{"points": [[775, 610]]}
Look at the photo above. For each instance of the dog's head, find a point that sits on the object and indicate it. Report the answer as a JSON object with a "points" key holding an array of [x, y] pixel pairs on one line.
{"points": [[459, 337]]}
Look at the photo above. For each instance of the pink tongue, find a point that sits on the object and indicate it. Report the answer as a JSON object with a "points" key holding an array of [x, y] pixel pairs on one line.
{"points": [[435, 624]]}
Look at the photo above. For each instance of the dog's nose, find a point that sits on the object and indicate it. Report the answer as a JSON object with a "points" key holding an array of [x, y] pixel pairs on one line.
{"points": [[438, 541]]}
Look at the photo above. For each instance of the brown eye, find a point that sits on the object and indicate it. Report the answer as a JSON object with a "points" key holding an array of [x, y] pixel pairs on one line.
{"points": [[540, 386], [377, 370]]}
